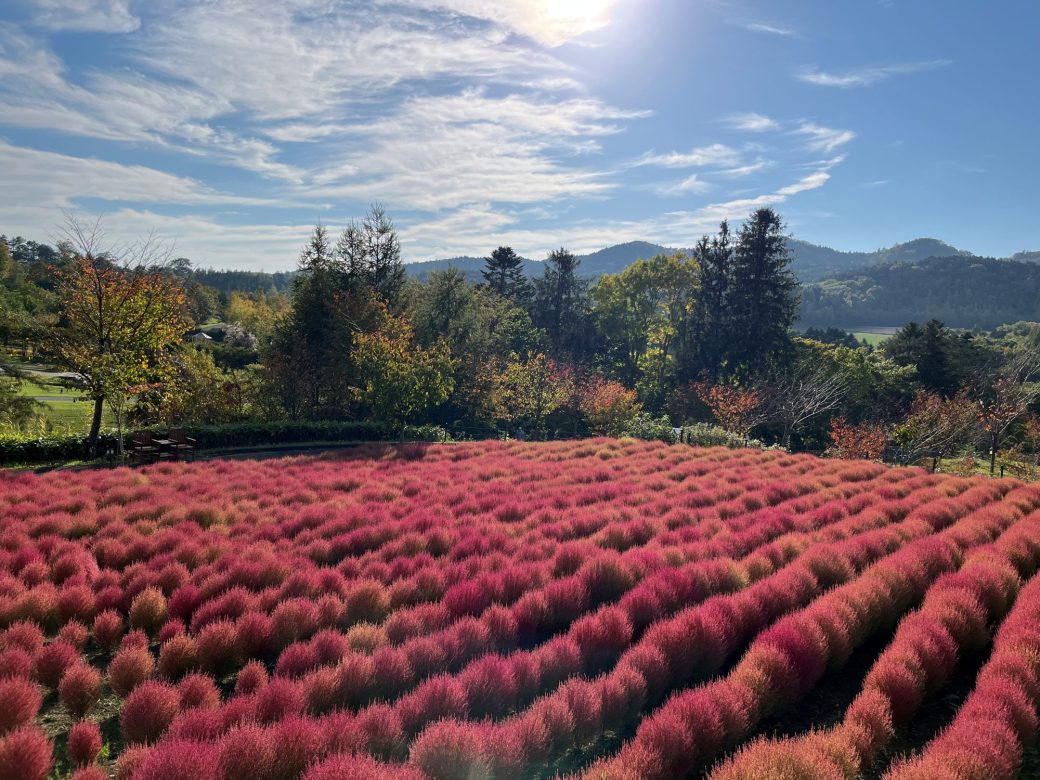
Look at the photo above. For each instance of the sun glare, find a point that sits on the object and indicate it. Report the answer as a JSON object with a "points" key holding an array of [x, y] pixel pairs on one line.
{"points": [[592, 12]]}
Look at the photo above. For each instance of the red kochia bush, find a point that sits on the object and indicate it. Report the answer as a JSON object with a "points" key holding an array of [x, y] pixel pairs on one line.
{"points": [[90, 773], [75, 633], [129, 668], [15, 662], [20, 700], [52, 662], [359, 768], [148, 610], [247, 751], [216, 647], [198, 691], [178, 656], [25, 754], [80, 689], [179, 760], [84, 743], [251, 678], [24, 634], [148, 711]]}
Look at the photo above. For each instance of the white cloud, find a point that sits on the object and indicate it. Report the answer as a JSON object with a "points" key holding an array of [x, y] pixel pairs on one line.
{"points": [[111, 16], [690, 185], [824, 139], [54, 181], [869, 76], [715, 154], [551, 22], [770, 29], [752, 122], [450, 151]]}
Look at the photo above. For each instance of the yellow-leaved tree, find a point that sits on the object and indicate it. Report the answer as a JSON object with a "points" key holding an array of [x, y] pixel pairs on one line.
{"points": [[400, 379], [121, 317]]}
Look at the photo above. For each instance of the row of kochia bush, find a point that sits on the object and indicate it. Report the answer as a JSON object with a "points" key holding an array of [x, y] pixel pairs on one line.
{"points": [[952, 623], [787, 660], [51, 663], [552, 723]]}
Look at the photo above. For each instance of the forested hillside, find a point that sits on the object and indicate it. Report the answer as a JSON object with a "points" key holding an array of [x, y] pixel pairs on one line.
{"points": [[962, 292]]}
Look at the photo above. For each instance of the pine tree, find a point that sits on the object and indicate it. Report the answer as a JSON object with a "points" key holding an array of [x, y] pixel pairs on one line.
{"points": [[714, 320], [383, 247], [765, 298], [561, 304], [504, 273]]}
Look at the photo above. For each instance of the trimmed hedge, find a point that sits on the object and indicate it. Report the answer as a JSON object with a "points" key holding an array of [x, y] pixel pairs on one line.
{"points": [[64, 448]]}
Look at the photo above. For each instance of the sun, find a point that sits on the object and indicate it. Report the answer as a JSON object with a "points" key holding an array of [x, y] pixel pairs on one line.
{"points": [[584, 14]]}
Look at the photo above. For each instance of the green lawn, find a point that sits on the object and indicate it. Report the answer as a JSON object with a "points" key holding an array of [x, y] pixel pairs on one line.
{"points": [[71, 414], [872, 338]]}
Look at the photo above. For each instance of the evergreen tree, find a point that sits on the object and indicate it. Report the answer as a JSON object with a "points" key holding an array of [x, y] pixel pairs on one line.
{"points": [[383, 247], [764, 303], [561, 304], [714, 323], [369, 254], [504, 273]]}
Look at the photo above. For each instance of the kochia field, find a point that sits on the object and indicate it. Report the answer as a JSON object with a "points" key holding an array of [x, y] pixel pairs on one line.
{"points": [[596, 609]]}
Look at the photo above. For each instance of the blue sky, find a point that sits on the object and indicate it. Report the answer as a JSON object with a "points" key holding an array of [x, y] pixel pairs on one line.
{"points": [[231, 126]]}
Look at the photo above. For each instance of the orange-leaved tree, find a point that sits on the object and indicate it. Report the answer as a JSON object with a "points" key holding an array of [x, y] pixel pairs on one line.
{"points": [[737, 409], [856, 441], [121, 316]]}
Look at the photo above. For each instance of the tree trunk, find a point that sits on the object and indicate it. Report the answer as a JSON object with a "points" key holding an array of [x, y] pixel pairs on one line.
{"points": [[993, 453], [95, 427]]}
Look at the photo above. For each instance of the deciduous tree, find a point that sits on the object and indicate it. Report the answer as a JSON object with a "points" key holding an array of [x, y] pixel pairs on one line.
{"points": [[399, 379], [121, 317]]}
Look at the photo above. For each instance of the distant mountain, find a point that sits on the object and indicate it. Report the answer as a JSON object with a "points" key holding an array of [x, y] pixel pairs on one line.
{"points": [[611, 260], [811, 261]]}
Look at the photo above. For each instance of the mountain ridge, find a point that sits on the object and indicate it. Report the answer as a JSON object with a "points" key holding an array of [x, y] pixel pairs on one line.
{"points": [[812, 262]]}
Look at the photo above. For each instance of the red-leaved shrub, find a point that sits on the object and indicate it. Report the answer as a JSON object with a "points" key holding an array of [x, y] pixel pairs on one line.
{"points": [[129, 668], [20, 700], [148, 711], [80, 689], [84, 743]]}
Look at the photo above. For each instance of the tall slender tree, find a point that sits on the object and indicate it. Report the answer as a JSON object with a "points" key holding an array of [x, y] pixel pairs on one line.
{"points": [[764, 303], [714, 321], [369, 254], [562, 305]]}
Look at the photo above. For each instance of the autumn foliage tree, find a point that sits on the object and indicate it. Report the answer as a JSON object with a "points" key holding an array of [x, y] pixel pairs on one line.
{"points": [[856, 441], [737, 409], [401, 379], [936, 426], [607, 405], [121, 316], [534, 389]]}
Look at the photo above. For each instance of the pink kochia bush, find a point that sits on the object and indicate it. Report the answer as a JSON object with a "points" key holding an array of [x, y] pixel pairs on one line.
{"points": [[84, 743], [502, 609]]}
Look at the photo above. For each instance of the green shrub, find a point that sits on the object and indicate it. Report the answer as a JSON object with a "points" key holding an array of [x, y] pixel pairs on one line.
{"points": [[707, 435], [646, 426]]}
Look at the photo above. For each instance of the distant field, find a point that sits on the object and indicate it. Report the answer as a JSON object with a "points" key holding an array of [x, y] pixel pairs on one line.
{"points": [[872, 338]]}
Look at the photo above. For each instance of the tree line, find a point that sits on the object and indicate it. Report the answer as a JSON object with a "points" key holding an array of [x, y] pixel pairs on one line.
{"points": [[702, 335]]}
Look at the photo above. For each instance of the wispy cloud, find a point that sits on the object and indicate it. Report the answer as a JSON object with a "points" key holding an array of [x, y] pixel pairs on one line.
{"points": [[689, 185], [866, 76], [107, 16], [752, 122], [824, 139], [715, 154], [771, 29]]}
